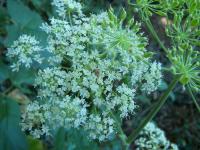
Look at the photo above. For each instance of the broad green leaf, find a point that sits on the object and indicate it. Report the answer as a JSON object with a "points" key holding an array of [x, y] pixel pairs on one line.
{"points": [[25, 21], [4, 18], [13, 32], [4, 71], [24, 76], [43, 5], [21, 14], [11, 135]]}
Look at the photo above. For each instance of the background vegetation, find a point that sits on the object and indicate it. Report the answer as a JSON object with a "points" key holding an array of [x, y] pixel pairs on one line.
{"points": [[179, 118]]}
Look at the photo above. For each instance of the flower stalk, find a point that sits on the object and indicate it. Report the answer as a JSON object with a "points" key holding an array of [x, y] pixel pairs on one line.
{"points": [[152, 30], [122, 135], [193, 98], [154, 111]]}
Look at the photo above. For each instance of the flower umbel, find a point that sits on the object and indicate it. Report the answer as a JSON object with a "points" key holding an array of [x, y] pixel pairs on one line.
{"points": [[97, 66], [153, 138], [186, 62], [25, 51]]}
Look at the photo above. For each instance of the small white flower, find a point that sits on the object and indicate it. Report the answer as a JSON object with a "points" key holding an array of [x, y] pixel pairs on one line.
{"points": [[152, 78], [66, 6], [153, 138], [24, 52]]}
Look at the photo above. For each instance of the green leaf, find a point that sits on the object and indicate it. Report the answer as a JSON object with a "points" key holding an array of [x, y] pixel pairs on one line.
{"points": [[25, 21], [34, 144], [24, 76], [11, 135], [13, 32], [43, 5], [21, 14], [4, 71], [3, 16], [60, 139]]}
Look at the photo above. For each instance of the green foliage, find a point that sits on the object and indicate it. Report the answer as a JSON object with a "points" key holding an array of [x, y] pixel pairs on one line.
{"points": [[23, 20], [34, 144], [4, 72], [76, 140], [183, 29], [10, 132]]}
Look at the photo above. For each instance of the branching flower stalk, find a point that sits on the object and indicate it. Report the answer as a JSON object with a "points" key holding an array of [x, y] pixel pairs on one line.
{"points": [[184, 59], [122, 135], [151, 29], [193, 97]]}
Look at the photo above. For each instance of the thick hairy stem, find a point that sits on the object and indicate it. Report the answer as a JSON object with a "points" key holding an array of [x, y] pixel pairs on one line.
{"points": [[154, 110], [122, 135], [193, 98]]}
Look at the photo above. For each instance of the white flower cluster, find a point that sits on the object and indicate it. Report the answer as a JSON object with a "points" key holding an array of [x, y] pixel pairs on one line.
{"points": [[152, 77], [97, 67], [52, 82], [64, 38], [153, 138], [24, 52], [100, 127], [67, 6], [32, 118]]}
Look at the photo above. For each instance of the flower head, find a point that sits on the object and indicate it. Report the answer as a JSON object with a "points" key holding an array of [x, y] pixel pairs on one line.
{"points": [[67, 6], [186, 63], [153, 138], [25, 51], [97, 67]]}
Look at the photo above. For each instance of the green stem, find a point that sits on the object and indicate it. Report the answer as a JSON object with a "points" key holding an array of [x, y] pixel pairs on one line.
{"points": [[70, 18], [152, 30], [154, 111], [193, 98], [155, 35], [122, 136]]}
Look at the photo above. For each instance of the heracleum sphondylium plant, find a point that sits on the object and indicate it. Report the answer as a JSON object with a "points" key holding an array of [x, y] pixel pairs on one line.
{"points": [[97, 67]]}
